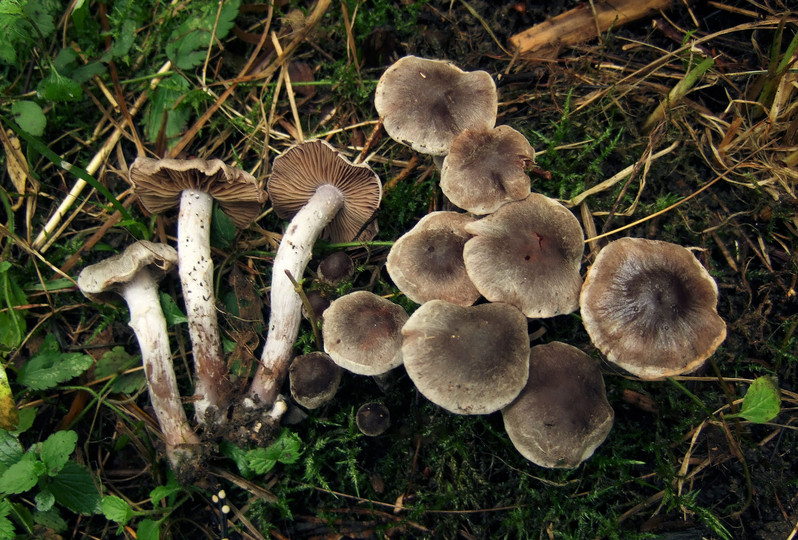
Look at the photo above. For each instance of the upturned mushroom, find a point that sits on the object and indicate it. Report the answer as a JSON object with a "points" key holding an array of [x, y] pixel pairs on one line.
{"points": [[427, 103], [484, 169], [194, 184], [324, 195], [527, 254], [468, 360], [134, 275], [426, 263], [363, 333], [651, 308], [562, 415]]}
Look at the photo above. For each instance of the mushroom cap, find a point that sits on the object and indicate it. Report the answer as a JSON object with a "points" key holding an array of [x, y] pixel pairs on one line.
{"points": [[651, 308], [362, 333], [159, 182], [527, 254], [297, 172], [426, 263], [562, 415], [314, 378], [485, 169], [427, 103], [468, 360], [336, 268], [373, 419], [99, 281]]}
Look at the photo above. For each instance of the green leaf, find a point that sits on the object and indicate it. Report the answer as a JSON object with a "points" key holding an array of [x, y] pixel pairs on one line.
{"points": [[50, 367], [56, 87], [284, 450], [51, 519], [22, 475], [44, 500], [239, 457], [6, 527], [12, 321], [115, 362], [29, 116], [171, 310], [188, 44], [166, 101], [9, 414], [148, 530], [762, 401], [11, 450], [42, 13], [57, 449], [223, 230], [26, 418], [162, 492], [116, 509], [73, 487]]}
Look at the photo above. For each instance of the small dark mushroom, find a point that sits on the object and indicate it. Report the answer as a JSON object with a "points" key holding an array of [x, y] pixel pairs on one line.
{"points": [[373, 419], [314, 378]]}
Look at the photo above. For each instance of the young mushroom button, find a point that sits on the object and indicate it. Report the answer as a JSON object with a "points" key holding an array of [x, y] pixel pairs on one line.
{"points": [[314, 378], [468, 360], [194, 184], [427, 103], [133, 275], [562, 415], [651, 308], [527, 254], [324, 195]]}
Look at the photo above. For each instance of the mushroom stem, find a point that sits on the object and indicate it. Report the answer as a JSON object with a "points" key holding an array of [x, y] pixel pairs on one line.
{"points": [[149, 324], [211, 385], [292, 258]]}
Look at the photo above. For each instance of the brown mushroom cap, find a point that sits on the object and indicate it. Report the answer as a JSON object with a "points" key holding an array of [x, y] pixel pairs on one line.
{"points": [[651, 308], [159, 182], [314, 379], [99, 281], [562, 415], [301, 169], [485, 169], [373, 419], [336, 268], [468, 360], [362, 333], [427, 103], [527, 254], [426, 263]]}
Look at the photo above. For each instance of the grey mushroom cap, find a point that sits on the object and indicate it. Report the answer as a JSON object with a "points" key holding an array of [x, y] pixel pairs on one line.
{"points": [[426, 263], [485, 169], [100, 281], [562, 415], [468, 360], [300, 170], [427, 103], [651, 308], [336, 268], [373, 419], [528, 254], [362, 333], [314, 379], [159, 183]]}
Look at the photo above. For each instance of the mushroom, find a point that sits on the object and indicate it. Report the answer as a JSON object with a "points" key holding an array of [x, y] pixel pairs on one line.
{"points": [[336, 268], [427, 103], [195, 183], [468, 360], [485, 169], [134, 275], [562, 415], [363, 333], [324, 194], [314, 378], [426, 263], [651, 308], [373, 419], [527, 254]]}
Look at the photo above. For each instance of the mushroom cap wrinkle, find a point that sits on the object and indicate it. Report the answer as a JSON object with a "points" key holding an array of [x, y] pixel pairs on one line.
{"points": [[300, 170], [485, 169], [562, 415], [159, 183], [362, 333], [468, 360], [651, 308], [426, 263], [427, 103], [528, 254], [99, 281]]}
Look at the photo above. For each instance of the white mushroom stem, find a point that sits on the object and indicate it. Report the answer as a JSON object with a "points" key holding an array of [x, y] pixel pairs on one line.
{"points": [[211, 384], [293, 256], [148, 323]]}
